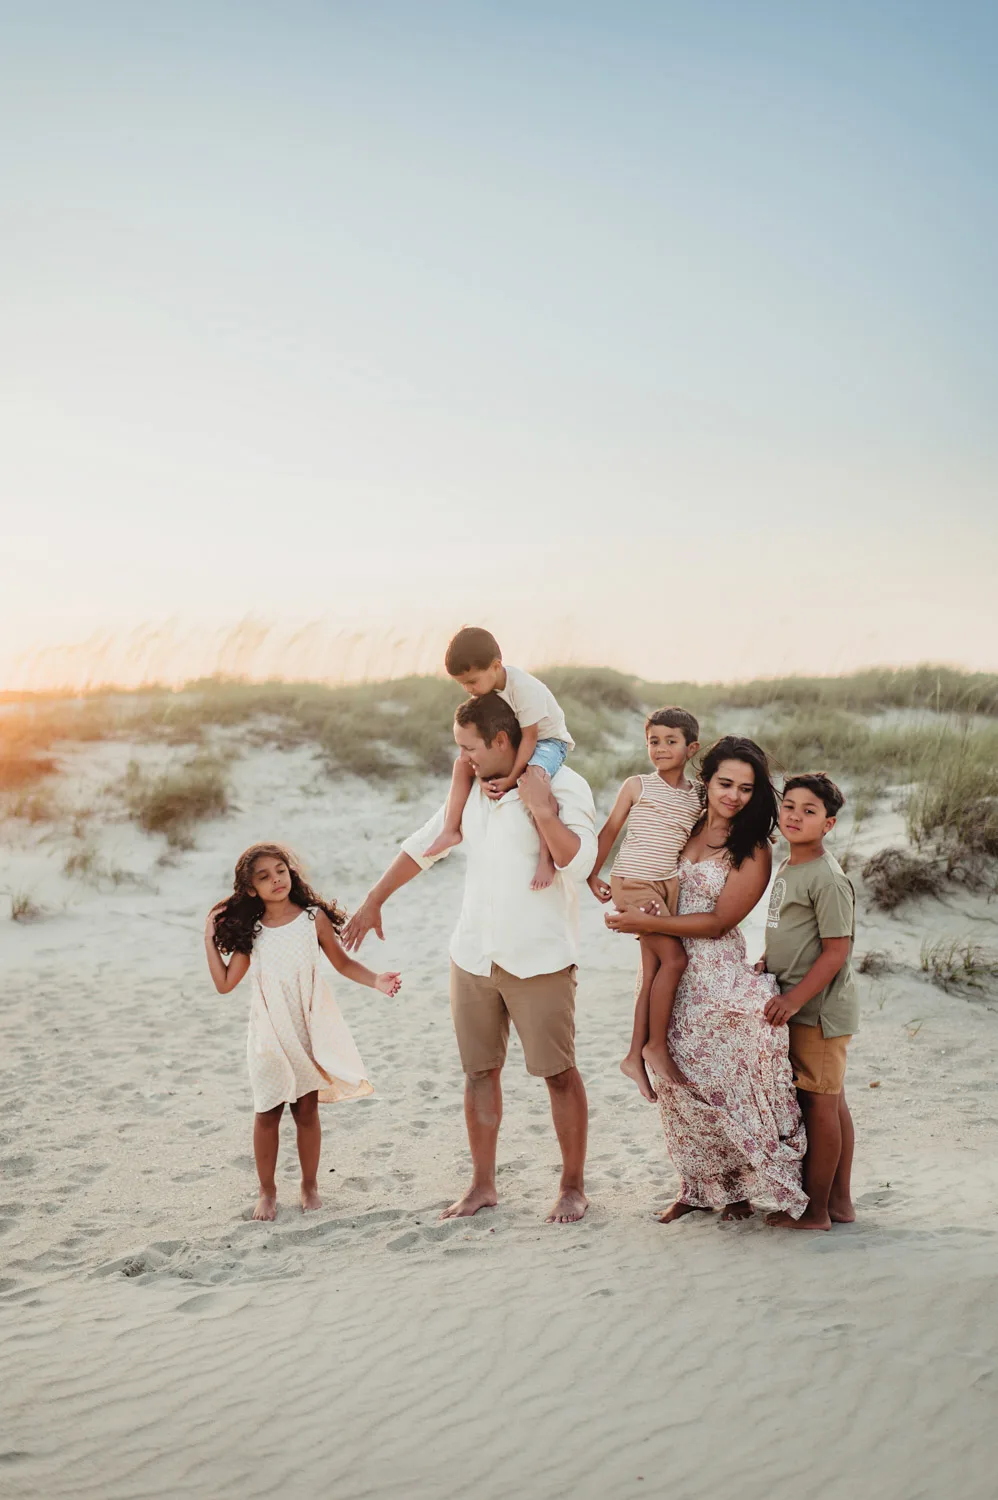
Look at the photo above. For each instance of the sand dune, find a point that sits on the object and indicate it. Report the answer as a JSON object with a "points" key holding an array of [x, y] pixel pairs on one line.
{"points": [[162, 1345]]}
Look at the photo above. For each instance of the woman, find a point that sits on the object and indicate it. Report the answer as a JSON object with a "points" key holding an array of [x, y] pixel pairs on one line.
{"points": [[734, 1131]]}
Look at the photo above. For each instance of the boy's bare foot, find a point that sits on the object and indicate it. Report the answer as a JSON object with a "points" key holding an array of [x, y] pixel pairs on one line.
{"points": [[841, 1212], [474, 1199], [570, 1207], [545, 872], [444, 841], [742, 1209], [807, 1220], [679, 1210], [660, 1063], [634, 1069], [266, 1206], [310, 1199]]}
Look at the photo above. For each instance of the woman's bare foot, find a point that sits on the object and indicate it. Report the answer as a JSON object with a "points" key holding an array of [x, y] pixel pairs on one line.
{"points": [[679, 1210], [474, 1199], [807, 1220], [660, 1063], [570, 1207], [634, 1069], [310, 1197], [266, 1206], [544, 874], [841, 1212], [444, 841], [742, 1209]]}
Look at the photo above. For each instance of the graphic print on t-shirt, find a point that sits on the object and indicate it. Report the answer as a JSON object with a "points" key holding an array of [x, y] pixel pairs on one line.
{"points": [[776, 902]]}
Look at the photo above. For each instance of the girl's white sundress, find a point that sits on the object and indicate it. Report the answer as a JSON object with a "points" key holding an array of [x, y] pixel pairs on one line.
{"points": [[297, 1041]]}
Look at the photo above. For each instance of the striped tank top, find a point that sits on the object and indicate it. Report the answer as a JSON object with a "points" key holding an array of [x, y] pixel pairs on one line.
{"points": [[658, 826]]}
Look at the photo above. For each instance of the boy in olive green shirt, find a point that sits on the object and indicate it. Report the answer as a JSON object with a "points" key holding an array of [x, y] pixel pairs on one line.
{"points": [[809, 937]]}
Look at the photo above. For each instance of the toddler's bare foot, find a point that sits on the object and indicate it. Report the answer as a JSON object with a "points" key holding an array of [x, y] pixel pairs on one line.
{"points": [[740, 1210], [266, 1206], [633, 1068], [679, 1211], [309, 1197], [470, 1202], [570, 1207], [544, 874], [660, 1063], [807, 1220], [444, 841], [841, 1211]]}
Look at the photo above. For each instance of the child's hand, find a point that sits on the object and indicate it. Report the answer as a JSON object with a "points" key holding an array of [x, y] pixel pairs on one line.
{"points": [[781, 1008], [498, 787], [388, 984], [210, 920], [599, 888]]}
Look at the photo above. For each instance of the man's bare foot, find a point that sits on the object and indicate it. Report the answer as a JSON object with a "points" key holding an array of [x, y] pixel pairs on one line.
{"points": [[841, 1212], [444, 841], [266, 1206], [634, 1069], [679, 1210], [742, 1209], [807, 1220], [474, 1199], [310, 1198], [545, 872], [660, 1064], [570, 1207]]}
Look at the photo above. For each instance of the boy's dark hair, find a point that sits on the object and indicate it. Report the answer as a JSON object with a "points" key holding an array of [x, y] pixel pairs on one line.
{"points": [[675, 718], [490, 715], [471, 650], [822, 786]]}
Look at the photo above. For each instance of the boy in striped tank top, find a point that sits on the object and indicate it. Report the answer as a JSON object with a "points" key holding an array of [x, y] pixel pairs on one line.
{"points": [[660, 810]]}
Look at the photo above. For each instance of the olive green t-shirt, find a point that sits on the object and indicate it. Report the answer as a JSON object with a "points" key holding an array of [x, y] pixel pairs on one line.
{"points": [[810, 902]]}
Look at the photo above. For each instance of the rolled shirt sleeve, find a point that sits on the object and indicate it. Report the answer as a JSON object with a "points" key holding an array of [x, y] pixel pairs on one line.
{"points": [[578, 812], [418, 841]]}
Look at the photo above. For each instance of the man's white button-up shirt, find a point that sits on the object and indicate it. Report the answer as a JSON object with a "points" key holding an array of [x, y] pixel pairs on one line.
{"points": [[502, 920]]}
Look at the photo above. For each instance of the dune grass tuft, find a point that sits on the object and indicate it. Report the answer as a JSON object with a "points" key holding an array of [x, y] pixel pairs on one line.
{"points": [[960, 963], [173, 802]]}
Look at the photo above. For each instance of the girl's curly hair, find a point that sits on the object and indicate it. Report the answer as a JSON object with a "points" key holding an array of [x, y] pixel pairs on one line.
{"points": [[752, 827], [238, 919]]}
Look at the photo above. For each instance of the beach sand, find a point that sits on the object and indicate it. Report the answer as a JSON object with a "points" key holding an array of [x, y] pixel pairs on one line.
{"points": [[155, 1343]]}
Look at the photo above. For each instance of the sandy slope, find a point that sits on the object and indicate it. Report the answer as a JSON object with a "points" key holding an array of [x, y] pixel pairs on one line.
{"points": [[368, 1350]]}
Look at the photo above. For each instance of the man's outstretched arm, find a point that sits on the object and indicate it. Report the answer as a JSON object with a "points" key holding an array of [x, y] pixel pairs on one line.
{"points": [[402, 869]]}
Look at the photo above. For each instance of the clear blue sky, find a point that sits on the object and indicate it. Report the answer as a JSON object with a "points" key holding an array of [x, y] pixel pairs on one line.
{"points": [[657, 334]]}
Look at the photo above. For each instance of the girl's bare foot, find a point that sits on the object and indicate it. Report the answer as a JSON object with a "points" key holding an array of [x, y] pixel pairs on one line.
{"points": [[634, 1069], [544, 874], [309, 1197], [841, 1212], [444, 841], [570, 1207], [660, 1063], [474, 1199], [742, 1209], [679, 1211], [807, 1220], [266, 1206]]}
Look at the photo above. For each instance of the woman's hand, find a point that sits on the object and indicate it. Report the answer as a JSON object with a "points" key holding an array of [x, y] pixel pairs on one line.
{"points": [[628, 921], [388, 984], [599, 888]]}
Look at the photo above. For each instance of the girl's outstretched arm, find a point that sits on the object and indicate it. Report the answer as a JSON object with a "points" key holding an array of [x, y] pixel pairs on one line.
{"points": [[225, 975], [388, 984], [626, 798]]}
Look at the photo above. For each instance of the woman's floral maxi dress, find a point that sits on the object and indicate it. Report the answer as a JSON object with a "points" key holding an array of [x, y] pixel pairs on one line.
{"points": [[736, 1132]]}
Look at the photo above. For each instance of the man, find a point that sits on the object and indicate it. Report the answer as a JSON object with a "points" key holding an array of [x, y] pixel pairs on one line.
{"points": [[514, 949]]}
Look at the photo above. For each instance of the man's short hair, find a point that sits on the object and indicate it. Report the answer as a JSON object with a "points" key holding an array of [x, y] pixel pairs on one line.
{"points": [[822, 786], [675, 718], [489, 715], [471, 650]]}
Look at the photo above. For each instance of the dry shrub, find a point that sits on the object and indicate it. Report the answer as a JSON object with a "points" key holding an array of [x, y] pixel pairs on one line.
{"points": [[959, 963], [175, 801], [24, 907], [875, 963], [894, 876]]}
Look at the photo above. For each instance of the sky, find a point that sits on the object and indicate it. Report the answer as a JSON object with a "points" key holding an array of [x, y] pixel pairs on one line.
{"points": [[650, 335]]}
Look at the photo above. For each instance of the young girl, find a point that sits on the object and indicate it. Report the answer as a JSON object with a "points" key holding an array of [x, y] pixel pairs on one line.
{"points": [[298, 1049]]}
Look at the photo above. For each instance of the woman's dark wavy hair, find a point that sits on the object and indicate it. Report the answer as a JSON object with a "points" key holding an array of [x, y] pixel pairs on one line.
{"points": [[752, 827], [238, 919]]}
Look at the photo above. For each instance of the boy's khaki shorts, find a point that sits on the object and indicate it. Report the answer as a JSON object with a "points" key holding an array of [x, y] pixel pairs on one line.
{"points": [[628, 891], [542, 1009], [818, 1061]]}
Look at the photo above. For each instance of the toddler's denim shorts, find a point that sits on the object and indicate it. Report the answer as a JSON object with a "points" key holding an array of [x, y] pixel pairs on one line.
{"points": [[549, 755]]}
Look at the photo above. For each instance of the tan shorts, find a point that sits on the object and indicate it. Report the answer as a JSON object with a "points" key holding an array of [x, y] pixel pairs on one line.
{"points": [[542, 1009], [628, 891], [819, 1061]]}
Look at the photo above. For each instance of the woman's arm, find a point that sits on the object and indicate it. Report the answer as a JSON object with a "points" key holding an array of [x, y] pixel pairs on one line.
{"points": [[225, 975], [742, 891], [619, 813], [387, 984]]}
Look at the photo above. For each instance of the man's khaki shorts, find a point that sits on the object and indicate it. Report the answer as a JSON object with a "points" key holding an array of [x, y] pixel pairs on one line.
{"points": [[542, 1009], [818, 1061], [627, 891]]}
